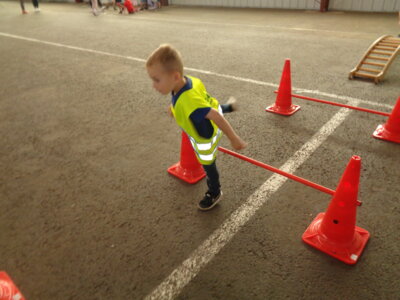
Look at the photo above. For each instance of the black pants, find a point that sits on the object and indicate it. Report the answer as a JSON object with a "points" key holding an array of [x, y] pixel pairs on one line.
{"points": [[34, 2], [214, 186]]}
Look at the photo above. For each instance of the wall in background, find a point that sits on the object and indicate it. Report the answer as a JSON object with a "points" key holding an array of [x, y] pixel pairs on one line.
{"points": [[366, 5], [289, 4], [348, 5]]}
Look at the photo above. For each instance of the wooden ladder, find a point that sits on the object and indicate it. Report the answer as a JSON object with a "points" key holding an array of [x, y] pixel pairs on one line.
{"points": [[377, 59]]}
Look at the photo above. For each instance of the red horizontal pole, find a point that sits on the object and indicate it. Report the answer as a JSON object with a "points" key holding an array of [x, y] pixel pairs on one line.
{"points": [[341, 105], [280, 172]]}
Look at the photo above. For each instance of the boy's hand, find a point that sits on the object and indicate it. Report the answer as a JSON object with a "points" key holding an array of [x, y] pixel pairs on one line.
{"points": [[238, 144]]}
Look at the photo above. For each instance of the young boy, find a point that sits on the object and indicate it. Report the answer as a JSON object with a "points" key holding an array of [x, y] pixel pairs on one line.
{"points": [[196, 112]]}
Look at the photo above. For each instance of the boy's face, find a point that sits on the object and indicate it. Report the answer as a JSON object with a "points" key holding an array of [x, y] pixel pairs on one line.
{"points": [[164, 82]]}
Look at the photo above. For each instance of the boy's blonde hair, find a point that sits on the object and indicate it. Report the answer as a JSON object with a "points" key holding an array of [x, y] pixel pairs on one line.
{"points": [[169, 58]]}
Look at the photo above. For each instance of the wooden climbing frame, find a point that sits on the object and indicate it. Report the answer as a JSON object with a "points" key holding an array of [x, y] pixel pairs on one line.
{"points": [[377, 59]]}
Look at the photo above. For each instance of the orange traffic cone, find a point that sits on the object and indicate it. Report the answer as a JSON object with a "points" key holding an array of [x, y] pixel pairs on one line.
{"points": [[8, 290], [335, 232], [188, 169], [391, 130], [283, 103]]}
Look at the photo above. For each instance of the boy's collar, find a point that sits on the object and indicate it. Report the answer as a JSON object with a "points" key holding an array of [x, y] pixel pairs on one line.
{"points": [[182, 82], [186, 87]]}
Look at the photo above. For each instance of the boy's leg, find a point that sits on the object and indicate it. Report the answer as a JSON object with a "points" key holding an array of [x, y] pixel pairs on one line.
{"points": [[36, 5], [230, 106], [226, 108], [214, 193], [121, 7], [95, 7], [214, 187], [22, 5]]}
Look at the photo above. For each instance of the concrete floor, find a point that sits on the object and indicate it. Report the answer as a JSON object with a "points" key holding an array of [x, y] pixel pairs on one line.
{"points": [[87, 208]]}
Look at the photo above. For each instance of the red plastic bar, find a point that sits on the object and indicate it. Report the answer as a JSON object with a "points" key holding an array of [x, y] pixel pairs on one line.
{"points": [[280, 172], [341, 105]]}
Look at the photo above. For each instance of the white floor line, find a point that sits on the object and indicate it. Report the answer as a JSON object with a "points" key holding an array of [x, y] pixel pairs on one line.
{"points": [[185, 21], [183, 274], [352, 100], [18, 37]]}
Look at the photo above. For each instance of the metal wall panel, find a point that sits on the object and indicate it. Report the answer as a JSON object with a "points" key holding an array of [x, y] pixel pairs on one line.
{"points": [[288, 4], [347, 5], [368, 5], [365, 5]]}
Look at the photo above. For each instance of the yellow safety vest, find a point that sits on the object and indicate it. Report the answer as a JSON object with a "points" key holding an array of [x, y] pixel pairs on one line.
{"points": [[190, 100]]}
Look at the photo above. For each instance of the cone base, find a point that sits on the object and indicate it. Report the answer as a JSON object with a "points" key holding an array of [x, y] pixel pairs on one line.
{"points": [[348, 254], [283, 111], [189, 176], [382, 133], [8, 290]]}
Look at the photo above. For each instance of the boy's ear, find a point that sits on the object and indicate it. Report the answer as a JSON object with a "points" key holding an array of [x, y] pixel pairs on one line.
{"points": [[177, 76]]}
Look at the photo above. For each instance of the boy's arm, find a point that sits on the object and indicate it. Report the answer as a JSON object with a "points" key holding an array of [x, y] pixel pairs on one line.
{"points": [[223, 124]]}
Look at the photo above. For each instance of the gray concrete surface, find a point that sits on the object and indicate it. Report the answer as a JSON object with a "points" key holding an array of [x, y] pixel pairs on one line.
{"points": [[87, 208]]}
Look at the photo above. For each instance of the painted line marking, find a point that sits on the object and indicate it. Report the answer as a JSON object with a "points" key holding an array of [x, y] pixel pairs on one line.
{"points": [[199, 258], [232, 77], [249, 25]]}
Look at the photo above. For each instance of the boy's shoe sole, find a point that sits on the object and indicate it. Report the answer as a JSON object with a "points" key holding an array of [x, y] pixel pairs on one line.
{"points": [[211, 206]]}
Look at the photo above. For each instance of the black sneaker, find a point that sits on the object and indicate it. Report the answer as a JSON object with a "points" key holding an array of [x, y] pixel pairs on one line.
{"points": [[209, 202], [233, 104]]}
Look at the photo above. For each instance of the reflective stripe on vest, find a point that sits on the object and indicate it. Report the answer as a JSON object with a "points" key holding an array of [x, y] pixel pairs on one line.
{"points": [[207, 146], [209, 157]]}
